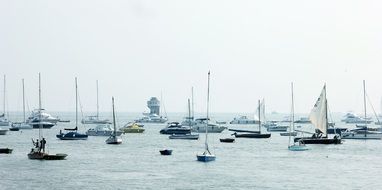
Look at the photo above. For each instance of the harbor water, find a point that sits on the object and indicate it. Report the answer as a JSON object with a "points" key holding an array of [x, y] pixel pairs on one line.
{"points": [[137, 163]]}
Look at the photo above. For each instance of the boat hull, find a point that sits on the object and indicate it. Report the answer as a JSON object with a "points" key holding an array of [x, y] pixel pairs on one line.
{"points": [[318, 140], [205, 158], [175, 131], [289, 134], [5, 151], [227, 140], [72, 136], [44, 126], [298, 148], [44, 156], [3, 131], [165, 152], [185, 137], [102, 133], [252, 135], [133, 130]]}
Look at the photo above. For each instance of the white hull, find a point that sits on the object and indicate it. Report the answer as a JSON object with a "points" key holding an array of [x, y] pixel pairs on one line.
{"points": [[211, 129]]}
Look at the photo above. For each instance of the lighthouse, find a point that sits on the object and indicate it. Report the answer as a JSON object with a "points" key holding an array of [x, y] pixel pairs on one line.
{"points": [[154, 105]]}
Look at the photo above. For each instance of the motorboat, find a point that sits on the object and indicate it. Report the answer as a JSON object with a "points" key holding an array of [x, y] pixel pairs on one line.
{"points": [[41, 115], [21, 126], [276, 127], [4, 121], [36, 123], [201, 124], [244, 120], [175, 128], [94, 120], [184, 136], [355, 119], [362, 133], [132, 128], [102, 130], [152, 118]]}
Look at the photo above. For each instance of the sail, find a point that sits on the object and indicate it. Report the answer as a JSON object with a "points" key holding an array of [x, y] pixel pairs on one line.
{"points": [[318, 115]]}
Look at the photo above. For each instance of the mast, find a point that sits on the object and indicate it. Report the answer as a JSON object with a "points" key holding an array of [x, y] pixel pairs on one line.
{"points": [[364, 105], [326, 112], [208, 103], [76, 103], [4, 98], [97, 101], [189, 114], [115, 128], [23, 100], [39, 106], [292, 115], [192, 98], [259, 119]]}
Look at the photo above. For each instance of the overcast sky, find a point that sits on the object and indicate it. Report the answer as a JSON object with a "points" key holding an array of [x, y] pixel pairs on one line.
{"points": [[138, 49]]}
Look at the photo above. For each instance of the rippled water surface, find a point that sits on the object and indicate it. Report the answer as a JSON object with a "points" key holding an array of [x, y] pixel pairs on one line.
{"points": [[137, 164]]}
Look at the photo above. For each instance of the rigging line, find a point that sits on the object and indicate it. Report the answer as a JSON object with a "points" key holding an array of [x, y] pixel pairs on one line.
{"points": [[372, 107]]}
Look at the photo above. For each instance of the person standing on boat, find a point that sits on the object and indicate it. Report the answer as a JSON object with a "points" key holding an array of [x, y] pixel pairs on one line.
{"points": [[43, 142]]}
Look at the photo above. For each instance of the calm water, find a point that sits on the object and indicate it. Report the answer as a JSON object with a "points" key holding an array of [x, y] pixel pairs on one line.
{"points": [[137, 164]]}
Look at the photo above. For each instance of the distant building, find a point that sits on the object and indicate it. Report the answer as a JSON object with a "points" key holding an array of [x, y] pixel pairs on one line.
{"points": [[154, 105]]}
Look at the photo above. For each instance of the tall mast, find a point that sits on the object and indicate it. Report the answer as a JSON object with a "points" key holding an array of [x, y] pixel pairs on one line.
{"points": [[4, 97], [97, 102], [326, 112], [76, 102], [208, 103], [259, 119], [39, 106], [292, 115], [192, 99], [115, 128], [23, 100], [189, 113], [364, 104]]}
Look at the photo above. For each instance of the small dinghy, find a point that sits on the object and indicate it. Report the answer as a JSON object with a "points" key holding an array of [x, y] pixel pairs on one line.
{"points": [[227, 140], [5, 151], [165, 152]]}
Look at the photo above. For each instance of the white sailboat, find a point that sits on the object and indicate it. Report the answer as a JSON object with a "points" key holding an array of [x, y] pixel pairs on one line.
{"points": [[363, 133], [3, 119], [206, 156], [23, 124], [114, 138], [294, 147], [94, 119]]}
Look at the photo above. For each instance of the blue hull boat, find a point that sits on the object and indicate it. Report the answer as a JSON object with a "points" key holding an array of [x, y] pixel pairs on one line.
{"points": [[72, 136], [206, 157], [297, 148]]}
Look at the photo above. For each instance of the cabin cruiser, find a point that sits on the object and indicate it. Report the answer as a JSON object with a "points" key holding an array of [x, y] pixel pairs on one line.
{"points": [[175, 128], [102, 130], [39, 113], [362, 133], [36, 124], [152, 118], [353, 118], [201, 123], [132, 128], [94, 120], [244, 120]]}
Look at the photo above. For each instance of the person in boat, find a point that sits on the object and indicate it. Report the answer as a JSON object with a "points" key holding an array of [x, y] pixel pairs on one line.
{"points": [[43, 142]]}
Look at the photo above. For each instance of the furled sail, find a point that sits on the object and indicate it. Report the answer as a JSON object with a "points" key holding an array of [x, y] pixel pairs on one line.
{"points": [[318, 115]]}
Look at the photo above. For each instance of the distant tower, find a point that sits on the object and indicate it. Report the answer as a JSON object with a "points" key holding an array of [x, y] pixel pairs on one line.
{"points": [[153, 105]]}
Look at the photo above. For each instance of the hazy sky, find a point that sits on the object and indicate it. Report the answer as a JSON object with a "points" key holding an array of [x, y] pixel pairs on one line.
{"points": [[138, 49]]}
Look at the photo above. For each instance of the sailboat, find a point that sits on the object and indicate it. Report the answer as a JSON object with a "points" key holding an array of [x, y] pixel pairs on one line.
{"points": [[187, 134], [319, 118], [114, 138], [73, 134], [252, 134], [24, 124], [206, 156], [363, 133], [3, 119], [38, 150], [94, 119], [294, 147]]}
